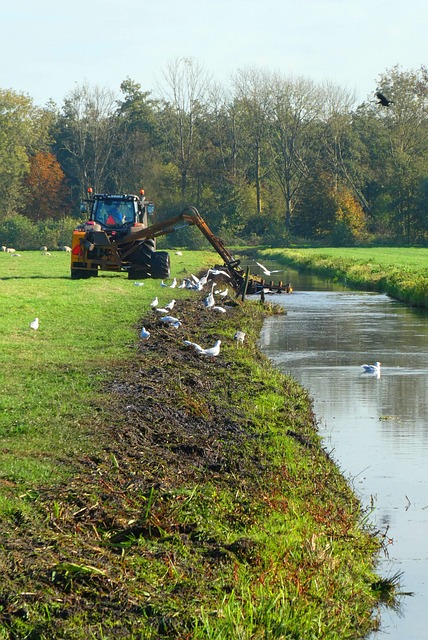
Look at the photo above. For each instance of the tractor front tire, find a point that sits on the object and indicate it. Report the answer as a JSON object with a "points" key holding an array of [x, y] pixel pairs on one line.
{"points": [[160, 267], [80, 274]]}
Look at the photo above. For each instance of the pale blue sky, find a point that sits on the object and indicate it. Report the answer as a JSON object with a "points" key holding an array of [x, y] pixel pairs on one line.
{"points": [[47, 46]]}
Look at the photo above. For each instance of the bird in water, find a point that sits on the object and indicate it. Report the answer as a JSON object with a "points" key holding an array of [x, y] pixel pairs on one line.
{"points": [[372, 368], [211, 352], [266, 271], [383, 100]]}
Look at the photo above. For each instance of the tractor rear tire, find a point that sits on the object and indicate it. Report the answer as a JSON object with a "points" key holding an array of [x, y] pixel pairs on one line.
{"points": [[160, 267]]}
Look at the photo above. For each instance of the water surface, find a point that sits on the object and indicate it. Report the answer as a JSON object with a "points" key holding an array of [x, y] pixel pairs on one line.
{"points": [[375, 428]]}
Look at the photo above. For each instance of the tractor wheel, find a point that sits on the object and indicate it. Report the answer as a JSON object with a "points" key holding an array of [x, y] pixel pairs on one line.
{"points": [[160, 267], [142, 256]]}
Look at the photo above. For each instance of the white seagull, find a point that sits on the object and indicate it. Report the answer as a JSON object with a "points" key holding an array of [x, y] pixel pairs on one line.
{"points": [[209, 300], [154, 303], [372, 368], [239, 337], [144, 334], [266, 271], [171, 321], [170, 305], [210, 352], [173, 284], [34, 324], [218, 309], [218, 272], [139, 284]]}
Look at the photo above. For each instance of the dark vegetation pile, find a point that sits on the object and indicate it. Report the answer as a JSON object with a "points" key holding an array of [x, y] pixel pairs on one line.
{"points": [[134, 544]]}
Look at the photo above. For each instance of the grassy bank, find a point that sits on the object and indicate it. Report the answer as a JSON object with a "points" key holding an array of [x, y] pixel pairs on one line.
{"points": [[400, 272], [147, 492]]}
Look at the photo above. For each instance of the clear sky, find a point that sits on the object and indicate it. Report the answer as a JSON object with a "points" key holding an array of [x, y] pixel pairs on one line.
{"points": [[49, 46]]}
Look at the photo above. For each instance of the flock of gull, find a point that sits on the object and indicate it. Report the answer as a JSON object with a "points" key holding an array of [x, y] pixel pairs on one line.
{"points": [[194, 283], [197, 284]]}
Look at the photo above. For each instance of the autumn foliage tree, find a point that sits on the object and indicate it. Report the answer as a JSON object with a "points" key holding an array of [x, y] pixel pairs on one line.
{"points": [[46, 189]]}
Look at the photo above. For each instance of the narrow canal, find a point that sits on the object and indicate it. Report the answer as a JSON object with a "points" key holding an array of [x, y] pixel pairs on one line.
{"points": [[375, 428]]}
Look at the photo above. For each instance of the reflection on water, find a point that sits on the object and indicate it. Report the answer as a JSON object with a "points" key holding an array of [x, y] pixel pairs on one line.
{"points": [[376, 429]]}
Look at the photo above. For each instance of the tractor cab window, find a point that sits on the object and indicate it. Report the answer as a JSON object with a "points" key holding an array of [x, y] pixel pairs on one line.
{"points": [[114, 213]]}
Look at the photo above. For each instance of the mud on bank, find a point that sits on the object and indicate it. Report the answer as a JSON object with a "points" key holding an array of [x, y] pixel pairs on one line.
{"points": [[209, 508]]}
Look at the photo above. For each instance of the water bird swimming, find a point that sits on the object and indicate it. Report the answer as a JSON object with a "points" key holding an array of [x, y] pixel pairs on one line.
{"points": [[372, 368]]}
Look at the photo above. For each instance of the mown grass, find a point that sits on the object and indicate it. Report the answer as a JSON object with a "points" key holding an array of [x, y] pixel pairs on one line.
{"points": [[273, 546], [400, 272]]}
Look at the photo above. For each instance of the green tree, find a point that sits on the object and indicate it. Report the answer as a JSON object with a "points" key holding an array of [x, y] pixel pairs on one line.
{"points": [[404, 144], [21, 132]]}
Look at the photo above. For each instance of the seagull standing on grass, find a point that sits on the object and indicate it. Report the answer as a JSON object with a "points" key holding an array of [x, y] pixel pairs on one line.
{"points": [[139, 284], [34, 324], [173, 284], [154, 303], [239, 337], [372, 368], [266, 271], [211, 352]]}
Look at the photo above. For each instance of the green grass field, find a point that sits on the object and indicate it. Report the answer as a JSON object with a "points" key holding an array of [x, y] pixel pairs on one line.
{"points": [[49, 376], [271, 544]]}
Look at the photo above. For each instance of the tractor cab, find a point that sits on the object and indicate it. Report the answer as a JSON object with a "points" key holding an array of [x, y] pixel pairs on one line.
{"points": [[117, 214]]}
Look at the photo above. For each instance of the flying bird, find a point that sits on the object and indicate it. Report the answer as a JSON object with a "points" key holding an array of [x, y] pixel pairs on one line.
{"points": [[218, 272], [266, 271], [211, 352], [383, 100], [34, 324], [372, 368], [144, 334], [239, 337]]}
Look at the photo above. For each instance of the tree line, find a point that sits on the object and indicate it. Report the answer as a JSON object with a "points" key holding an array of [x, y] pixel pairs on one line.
{"points": [[271, 159]]}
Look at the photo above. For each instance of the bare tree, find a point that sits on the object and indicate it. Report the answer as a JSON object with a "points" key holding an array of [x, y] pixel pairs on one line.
{"points": [[183, 89], [295, 110], [89, 130], [252, 90]]}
